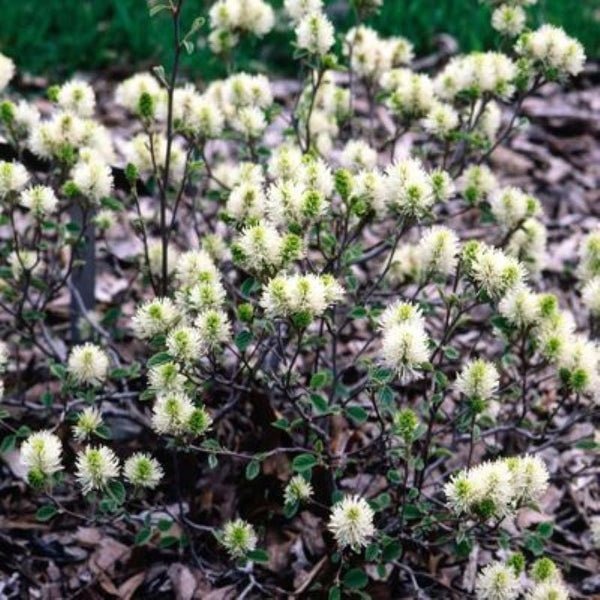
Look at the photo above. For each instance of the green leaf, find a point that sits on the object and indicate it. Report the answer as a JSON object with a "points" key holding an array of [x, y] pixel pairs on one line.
{"points": [[319, 379], [142, 536], [371, 552], [252, 470], [358, 414], [258, 555], [382, 375], [58, 370], [355, 579], [281, 424], [545, 529], [112, 203], [304, 462], [249, 286], [8, 443], [290, 509], [158, 359], [168, 541], [450, 353], [391, 551], [164, 525], [320, 404], [358, 312], [116, 491], [46, 512], [243, 339], [587, 445], [334, 593]]}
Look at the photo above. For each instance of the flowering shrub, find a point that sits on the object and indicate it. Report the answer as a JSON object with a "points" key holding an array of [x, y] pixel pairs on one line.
{"points": [[365, 331]]}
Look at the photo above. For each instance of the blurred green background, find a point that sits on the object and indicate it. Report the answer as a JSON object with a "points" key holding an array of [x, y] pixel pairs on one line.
{"points": [[57, 37]]}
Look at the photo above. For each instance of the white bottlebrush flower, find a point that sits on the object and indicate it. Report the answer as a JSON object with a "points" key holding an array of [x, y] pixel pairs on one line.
{"points": [[511, 206], [548, 590], [155, 317], [461, 493], [129, 93], [495, 491], [213, 327], [225, 14], [528, 244], [581, 357], [438, 251], [358, 156], [185, 344], [285, 162], [142, 470], [87, 423], [203, 118], [316, 174], [405, 264], [239, 538], [41, 455], [261, 248], [553, 49], [13, 177], [405, 347], [195, 266], [286, 202], [401, 312], [495, 272], [39, 199], [297, 490], [88, 364], [297, 9], [490, 121], [368, 186], [590, 296], [530, 478], [203, 296], [413, 95], [249, 121], [509, 20], [7, 71], [26, 118], [77, 97], [24, 261], [246, 200], [166, 378], [300, 295], [477, 73], [315, 34], [95, 467], [555, 334], [171, 414], [408, 188], [589, 256], [93, 179], [478, 379], [521, 307], [497, 582], [351, 522], [477, 183], [252, 16], [441, 119], [105, 219]]}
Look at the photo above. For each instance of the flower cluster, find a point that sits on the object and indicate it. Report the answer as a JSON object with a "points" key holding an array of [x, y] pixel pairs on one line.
{"points": [[496, 489], [351, 523]]}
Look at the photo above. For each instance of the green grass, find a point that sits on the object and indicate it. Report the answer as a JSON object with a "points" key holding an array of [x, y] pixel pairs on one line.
{"points": [[57, 37]]}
